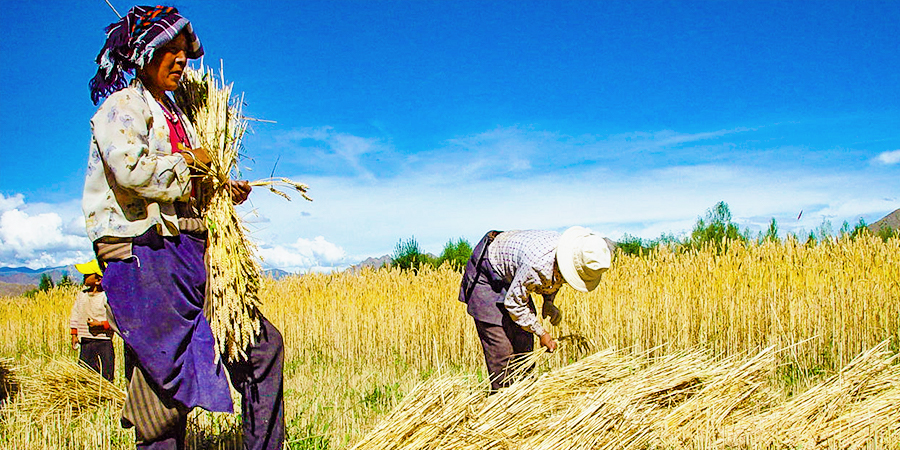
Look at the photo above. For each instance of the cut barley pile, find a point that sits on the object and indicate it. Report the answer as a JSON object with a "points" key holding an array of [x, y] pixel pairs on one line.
{"points": [[610, 400], [854, 408], [64, 386], [233, 271]]}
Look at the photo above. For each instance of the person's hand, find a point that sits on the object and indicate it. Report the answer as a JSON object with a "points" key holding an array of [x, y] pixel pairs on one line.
{"points": [[196, 157], [548, 342], [548, 309], [74, 341], [240, 190], [96, 327]]}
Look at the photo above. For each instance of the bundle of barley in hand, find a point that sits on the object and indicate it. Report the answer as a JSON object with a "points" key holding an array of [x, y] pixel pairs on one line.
{"points": [[233, 272]]}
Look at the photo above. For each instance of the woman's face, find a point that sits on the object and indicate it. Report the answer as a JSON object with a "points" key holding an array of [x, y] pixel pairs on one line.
{"points": [[164, 71]]}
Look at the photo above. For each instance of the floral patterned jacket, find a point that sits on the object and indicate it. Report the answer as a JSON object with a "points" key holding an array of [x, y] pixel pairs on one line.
{"points": [[133, 178]]}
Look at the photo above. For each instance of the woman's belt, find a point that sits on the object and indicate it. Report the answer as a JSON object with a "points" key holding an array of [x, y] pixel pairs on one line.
{"points": [[118, 248]]}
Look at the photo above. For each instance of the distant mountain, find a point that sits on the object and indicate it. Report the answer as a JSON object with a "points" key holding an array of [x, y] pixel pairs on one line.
{"points": [[4, 270], [14, 289], [375, 263], [275, 273], [379, 262], [26, 276], [16, 280], [891, 220]]}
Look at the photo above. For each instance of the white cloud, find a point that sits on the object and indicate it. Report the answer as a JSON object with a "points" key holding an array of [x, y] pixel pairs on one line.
{"points": [[519, 151], [330, 143], [663, 139], [39, 239], [9, 203], [889, 158], [304, 255], [501, 179]]}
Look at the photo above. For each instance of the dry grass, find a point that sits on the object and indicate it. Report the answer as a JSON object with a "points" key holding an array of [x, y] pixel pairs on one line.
{"points": [[62, 405], [853, 407], [233, 269], [842, 297]]}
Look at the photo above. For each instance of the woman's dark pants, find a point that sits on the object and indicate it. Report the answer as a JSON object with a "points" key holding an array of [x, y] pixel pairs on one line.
{"points": [[98, 354], [260, 383]]}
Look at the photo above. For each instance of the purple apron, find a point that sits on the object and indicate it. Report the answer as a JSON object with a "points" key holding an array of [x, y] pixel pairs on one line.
{"points": [[156, 298]]}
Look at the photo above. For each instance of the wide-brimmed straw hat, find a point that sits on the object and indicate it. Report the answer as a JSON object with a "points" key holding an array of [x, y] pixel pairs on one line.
{"points": [[582, 257], [89, 267]]}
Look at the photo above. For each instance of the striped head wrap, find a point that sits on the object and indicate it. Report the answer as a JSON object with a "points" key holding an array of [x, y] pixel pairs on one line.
{"points": [[131, 42]]}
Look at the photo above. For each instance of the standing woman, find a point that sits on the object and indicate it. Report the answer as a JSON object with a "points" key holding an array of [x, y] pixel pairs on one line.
{"points": [[143, 220]]}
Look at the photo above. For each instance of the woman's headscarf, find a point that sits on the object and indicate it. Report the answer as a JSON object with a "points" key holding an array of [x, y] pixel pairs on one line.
{"points": [[130, 44]]}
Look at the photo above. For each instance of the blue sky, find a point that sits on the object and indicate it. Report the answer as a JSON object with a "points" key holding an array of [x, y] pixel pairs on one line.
{"points": [[444, 119]]}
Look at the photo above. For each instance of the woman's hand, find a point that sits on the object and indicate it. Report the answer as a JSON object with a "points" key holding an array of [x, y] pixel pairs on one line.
{"points": [[240, 190], [196, 157]]}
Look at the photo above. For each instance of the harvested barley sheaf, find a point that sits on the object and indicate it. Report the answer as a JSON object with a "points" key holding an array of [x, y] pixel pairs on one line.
{"points": [[611, 400], [67, 387], [232, 304], [856, 404]]}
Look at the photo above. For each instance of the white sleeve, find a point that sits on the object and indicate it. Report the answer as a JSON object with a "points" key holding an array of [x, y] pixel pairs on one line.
{"points": [[122, 136], [516, 302]]}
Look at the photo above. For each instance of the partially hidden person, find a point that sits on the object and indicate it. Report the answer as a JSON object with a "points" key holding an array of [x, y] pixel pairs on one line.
{"points": [[506, 268], [89, 325], [142, 214]]}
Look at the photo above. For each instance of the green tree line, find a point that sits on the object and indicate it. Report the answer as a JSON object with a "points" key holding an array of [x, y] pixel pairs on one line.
{"points": [[715, 228], [46, 283], [408, 256]]}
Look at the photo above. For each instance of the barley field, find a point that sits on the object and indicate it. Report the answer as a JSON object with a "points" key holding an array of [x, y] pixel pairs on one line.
{"points": [[796, 342]]}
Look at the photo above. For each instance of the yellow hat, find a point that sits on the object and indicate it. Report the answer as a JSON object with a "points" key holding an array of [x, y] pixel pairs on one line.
{"points": [[89, 268]]}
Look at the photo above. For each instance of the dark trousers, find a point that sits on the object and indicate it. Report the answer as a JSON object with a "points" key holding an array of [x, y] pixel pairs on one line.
{"points": [[260, 382], [483, 291], [504, 346], [98, 354]]}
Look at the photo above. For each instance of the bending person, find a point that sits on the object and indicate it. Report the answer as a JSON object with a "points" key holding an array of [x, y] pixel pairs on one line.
{"points": [[506, 268]]}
